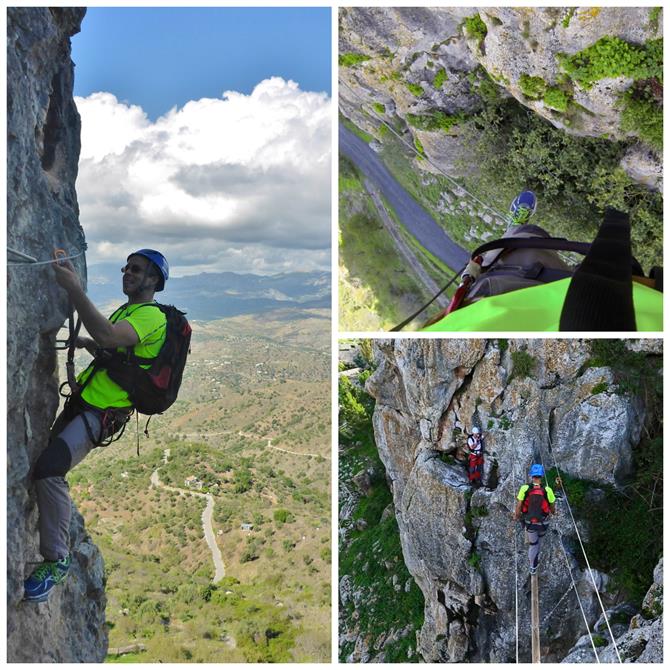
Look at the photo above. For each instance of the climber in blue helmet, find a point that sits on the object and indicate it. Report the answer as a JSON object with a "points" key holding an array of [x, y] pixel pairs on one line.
{"points": [[535, 503], [98, 408]]}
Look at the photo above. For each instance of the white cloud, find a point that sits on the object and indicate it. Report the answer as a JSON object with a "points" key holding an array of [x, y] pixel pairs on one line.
{"points": [[240, 183]]}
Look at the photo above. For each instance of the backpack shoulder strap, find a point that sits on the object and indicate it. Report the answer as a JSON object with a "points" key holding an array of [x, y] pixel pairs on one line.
{"points": [[600, 295]]}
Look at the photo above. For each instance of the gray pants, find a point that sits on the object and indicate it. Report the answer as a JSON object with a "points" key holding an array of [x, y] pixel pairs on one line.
{"points": [[535, 534], [70, 442]]}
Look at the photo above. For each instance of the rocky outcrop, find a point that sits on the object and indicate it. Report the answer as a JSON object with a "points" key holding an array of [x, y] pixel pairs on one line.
{"points": [[420, 69], [42, 155], [535, 399], [641, 641]]}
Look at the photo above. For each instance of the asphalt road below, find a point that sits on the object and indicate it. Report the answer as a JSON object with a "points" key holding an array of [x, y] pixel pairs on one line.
{"points": [[414, 217]]}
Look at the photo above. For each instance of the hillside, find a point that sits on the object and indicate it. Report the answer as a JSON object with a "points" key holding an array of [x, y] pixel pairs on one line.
{"points": [[252, 429]]}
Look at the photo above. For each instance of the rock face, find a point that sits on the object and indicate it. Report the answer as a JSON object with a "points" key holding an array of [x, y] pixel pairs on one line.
{"points": [[43, 129], [641, 641], [419, 61], [461, 546]]}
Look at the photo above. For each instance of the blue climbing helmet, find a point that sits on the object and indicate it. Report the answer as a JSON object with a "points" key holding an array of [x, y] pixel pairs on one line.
{"points": [[536, 470], [157, 258]]}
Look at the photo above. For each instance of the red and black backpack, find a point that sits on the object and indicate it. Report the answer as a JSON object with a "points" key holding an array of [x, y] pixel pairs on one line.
{"points": [[535, 506]]}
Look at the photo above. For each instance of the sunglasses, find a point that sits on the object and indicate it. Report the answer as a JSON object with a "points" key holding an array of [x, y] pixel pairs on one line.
{"points": [[135, 269]]}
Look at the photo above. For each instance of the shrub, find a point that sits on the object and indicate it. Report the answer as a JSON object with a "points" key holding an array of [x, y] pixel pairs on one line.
{"points": [[642, 115], [556, 99], [475, 27], [523, 364], [613, 57], [379, 107], [283, 516], [351, 59], [434, 121], [532, 87]]}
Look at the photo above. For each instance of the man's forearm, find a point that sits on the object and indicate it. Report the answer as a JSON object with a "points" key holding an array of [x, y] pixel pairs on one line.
{"points": [[97, 325]]}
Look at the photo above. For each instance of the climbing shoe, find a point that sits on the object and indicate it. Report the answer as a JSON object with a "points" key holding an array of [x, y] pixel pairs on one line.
{"points": [[522, 208], [43, 579]]}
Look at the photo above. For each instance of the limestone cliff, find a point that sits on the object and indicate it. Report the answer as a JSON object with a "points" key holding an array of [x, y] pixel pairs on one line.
{"points": [[43, 130], [552, 400], [420, 68]]}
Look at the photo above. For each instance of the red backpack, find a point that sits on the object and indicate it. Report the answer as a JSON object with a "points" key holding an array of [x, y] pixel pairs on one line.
{"points": [[535, 507]]}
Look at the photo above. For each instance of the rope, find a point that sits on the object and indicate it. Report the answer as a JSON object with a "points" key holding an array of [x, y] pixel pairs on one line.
{"points": [[400, 326], [30, 261], [498, 214], [588, 565], [572, 579]]}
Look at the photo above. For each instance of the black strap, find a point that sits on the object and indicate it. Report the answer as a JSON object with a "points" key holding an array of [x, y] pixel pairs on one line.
{"points": [[600, 295], [548, 243]]}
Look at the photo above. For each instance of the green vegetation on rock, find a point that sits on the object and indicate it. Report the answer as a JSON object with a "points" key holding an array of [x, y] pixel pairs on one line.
{"points": [[440, 78], [434, 121], [523, 364], [351, 59], [568, 17], [387, 595], [379, 107], [654, 15], [556, 98], [613, 57], [642, 114], [532, 87], [414, 89], [475, 28]]}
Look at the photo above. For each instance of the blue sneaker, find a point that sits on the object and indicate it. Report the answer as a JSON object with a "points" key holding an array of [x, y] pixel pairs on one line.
{"points": [[522, 207], [43, 579]]}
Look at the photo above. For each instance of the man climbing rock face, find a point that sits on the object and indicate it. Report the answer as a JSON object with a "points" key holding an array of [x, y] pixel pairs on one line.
{"points": [[475, 457], [98, 407], [534, 505]]}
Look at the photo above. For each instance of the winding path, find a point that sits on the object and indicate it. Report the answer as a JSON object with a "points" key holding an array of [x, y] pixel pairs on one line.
{"points": [[414, 217], [286, 451], [207, 527]]}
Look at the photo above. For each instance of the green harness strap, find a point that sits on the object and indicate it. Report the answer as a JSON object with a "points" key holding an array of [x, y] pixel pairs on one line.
{"points": [[538, 308]]}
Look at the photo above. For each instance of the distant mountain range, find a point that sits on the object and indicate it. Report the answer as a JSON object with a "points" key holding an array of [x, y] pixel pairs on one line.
{"points": [[210, 295]]}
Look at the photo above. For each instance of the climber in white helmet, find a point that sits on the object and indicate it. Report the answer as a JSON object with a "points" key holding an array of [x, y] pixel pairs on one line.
{"points": [[475, 457]]}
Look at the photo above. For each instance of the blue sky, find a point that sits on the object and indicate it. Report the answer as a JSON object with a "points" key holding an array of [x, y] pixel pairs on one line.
{"points": [[161, 57], [238, 183]]}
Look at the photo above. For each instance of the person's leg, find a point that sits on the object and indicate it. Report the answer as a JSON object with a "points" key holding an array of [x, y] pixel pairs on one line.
{"points": [[66, 448], [533, 548]]}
